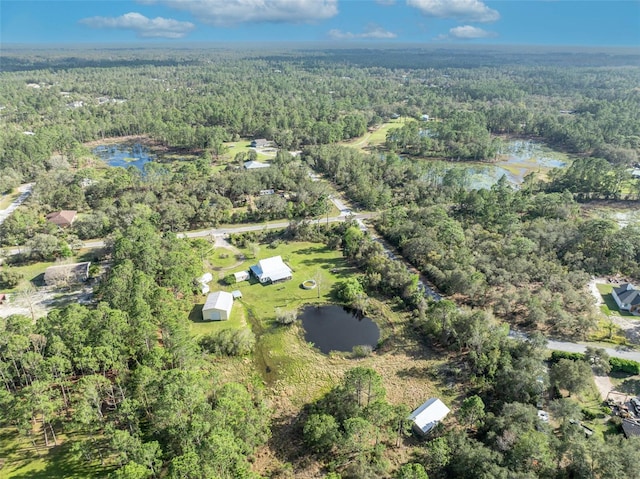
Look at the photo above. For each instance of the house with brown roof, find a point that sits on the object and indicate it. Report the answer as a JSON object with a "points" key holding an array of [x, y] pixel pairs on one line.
{"points": [[63, 219]]}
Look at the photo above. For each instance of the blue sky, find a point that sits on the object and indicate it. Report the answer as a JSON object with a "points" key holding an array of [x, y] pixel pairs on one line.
{"points": [[524, 22]]}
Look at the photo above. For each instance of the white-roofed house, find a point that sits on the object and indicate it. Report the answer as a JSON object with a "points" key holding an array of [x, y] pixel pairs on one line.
{"points": [[218, 306], [427, 416], [254, 165], [271, 270]]}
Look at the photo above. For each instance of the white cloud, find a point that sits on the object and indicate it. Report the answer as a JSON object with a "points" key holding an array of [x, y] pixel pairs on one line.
{"points": [[467, 32], [233, 12], [470, 10], [144, 27], [371, 31]]}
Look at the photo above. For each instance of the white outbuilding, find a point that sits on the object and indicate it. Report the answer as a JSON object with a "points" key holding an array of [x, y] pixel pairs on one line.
{"points": [[205, 278], [218, 306], [427, 416], [241, 276]]}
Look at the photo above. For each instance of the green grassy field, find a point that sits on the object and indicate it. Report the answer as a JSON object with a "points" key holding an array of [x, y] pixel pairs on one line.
{"points": [[376, 138], [31, 273], [198, 327], [610, 307], [6, 200], [21, 461], [242, 146]]}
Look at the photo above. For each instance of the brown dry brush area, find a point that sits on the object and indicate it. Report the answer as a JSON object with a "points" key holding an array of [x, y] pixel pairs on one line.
{"points": [[408, 368]]}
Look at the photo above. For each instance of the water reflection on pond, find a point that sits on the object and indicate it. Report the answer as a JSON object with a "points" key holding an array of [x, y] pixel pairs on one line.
{"points": [[517, 159], [335, 328], [135, 155]]}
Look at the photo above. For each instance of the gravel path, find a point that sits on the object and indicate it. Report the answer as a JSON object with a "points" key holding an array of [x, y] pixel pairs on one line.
{"points": [[25, 191]]}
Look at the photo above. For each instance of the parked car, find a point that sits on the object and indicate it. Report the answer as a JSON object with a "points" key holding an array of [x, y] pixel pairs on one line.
{"points": [[635, 402]]}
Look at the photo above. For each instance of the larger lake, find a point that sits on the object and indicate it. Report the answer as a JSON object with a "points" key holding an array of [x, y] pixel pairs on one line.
{"points": [[335, 328], [135, 155]]}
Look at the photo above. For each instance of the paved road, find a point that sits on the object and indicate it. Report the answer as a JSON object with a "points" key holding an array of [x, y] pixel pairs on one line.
{"points": [[569, 347], [581, 348], [210, 233], [25, 191]]}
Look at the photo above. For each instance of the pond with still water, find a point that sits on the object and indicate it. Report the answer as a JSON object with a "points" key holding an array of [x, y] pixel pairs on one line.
{"points": [[335, 328], [517, 159], [135, 155]]}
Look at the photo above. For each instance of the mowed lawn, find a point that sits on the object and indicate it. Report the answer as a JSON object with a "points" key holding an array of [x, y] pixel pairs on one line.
{"points": [[242, 146], [610, 307], [376, 138], [307, 261], [31, 273], [22, 461]]}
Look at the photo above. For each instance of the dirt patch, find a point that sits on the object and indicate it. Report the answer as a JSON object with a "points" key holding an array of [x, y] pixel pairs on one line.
{"points": [[604, 385], [38, 303]]}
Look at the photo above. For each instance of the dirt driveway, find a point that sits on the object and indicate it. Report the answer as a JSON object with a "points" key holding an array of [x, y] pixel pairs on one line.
{"points": [[38, 303]]}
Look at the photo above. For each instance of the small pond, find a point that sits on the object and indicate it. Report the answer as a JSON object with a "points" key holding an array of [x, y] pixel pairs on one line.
{"points": [[517, 159], [335, 328], [124, 155]]}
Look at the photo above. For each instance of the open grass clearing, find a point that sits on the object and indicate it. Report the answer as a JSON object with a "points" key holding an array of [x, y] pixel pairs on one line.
{"points": [[241, 146], [32, 275], [376, 138], [22, 461], [198, 327]]}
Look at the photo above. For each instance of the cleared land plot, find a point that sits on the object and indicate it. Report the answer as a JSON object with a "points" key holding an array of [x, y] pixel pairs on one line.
{"points": [[377, 137], [243, 146]]}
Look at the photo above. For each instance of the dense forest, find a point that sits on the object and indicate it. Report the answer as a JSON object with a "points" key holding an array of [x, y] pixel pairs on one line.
{"points": [[124, 383]]}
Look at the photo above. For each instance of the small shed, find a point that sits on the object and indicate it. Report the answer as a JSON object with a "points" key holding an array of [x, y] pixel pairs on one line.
{"points": [[205, 278], [218, 306], [241, 276], [427, 416], [236, 293], [259, 143]]}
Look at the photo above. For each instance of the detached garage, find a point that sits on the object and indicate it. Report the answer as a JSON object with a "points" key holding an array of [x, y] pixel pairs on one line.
{"points": [[218, 306]]}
